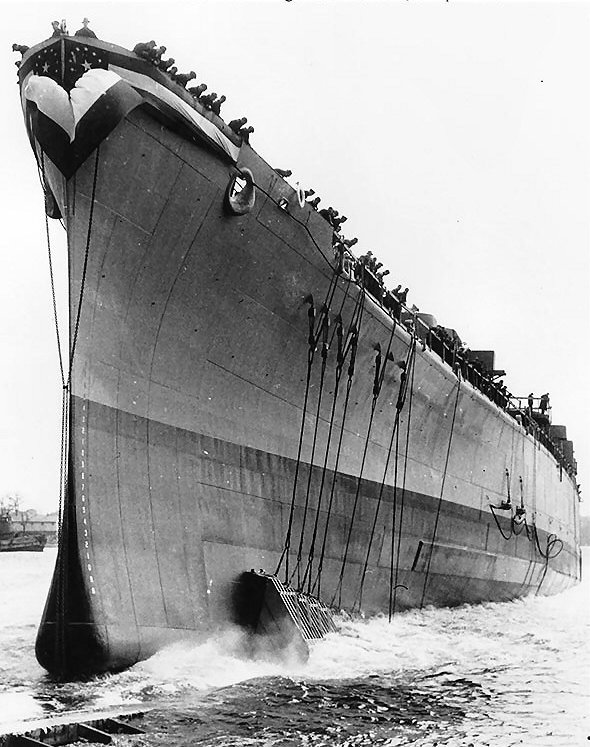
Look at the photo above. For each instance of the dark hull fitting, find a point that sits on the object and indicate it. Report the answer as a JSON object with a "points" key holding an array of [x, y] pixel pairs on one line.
{"points": [[212, 429]]}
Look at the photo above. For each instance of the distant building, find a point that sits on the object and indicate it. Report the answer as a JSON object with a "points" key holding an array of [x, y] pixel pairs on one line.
{"points": [[33, 523]]}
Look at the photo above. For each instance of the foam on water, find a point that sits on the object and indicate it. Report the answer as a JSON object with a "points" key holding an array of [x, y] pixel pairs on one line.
{"points": [[492, 674], [517, 634]]}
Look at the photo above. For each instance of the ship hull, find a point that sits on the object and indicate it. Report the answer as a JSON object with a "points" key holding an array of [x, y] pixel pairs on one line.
{"points": [[177, 570], [209, 435]]}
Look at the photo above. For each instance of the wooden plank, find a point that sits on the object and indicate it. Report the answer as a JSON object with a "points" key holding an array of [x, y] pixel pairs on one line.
{"points": [[94, 735], [114, 726], [21, 740]]}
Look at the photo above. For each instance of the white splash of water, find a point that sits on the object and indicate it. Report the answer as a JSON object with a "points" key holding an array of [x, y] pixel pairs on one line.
{"points": [[482, 638], [531, 656]]}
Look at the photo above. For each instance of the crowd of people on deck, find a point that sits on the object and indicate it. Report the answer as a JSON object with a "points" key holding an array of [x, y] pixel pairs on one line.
{"points": [[366, 269], [211, 101], [445, 342], [154, 54]]}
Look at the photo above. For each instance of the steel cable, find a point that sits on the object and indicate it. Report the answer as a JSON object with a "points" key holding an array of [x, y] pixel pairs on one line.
{"points": [[396, 585], [442, 488]]}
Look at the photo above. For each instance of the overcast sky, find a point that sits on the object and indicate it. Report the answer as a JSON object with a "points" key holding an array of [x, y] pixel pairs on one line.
{"points": [[454, 136]]}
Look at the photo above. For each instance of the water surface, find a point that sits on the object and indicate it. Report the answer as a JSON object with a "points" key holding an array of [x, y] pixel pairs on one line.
{"points": [[506, 674]]}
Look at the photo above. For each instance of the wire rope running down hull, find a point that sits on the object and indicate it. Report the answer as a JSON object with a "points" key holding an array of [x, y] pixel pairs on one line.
{"points": [[442, 490], [313, 339], [52, 282], [341, 355], [324, 355], [400, 404], [347, 349], [66, 490], [380, 366], [395, 585], [394, 436]]}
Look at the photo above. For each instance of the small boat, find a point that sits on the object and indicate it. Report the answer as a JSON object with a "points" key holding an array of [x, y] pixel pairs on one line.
{"points": [[11, 541]]}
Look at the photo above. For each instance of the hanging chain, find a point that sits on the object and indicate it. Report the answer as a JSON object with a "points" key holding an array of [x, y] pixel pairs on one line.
{"points": [[63, 517]]}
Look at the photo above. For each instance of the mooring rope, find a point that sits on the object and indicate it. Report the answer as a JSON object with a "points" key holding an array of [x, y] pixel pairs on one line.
{"points": [[351, 343], [509, 535], [393, 523], [342, 353], [324, 355], [312, 340], [63, 516], [85, 266], [553, 544], [440, 499], [394, 431], [376, 391], [318, 579], [52, 281], [552, 541], [339, 368], [351, 346], [59, 641], [396, 585], [287, 545], [401, 399]]}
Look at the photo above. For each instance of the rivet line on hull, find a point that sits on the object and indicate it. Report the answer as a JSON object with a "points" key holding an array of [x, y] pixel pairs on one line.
{"points": [[83, 496]]}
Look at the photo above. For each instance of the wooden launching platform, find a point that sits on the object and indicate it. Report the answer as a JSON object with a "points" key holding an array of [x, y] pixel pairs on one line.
{"points": [[96, 726]]}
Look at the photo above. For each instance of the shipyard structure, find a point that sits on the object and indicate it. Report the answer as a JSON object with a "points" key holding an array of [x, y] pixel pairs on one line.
{"points": [[242, 392]]}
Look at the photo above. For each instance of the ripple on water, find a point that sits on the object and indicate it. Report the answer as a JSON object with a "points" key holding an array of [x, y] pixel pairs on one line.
{"points": [[494, 674]]}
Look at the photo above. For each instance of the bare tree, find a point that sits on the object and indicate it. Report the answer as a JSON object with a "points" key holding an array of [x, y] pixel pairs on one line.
{"points": [[11, 502]]}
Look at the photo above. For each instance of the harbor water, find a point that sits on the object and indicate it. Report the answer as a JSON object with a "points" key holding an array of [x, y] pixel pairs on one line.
{"points": [[515, 673]]}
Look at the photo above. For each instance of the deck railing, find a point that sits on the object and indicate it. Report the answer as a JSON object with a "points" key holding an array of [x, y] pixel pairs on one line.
{"points": [[449, 351]]}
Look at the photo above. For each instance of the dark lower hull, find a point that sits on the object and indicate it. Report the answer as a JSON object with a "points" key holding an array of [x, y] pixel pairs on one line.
{"points": [[184, 555], [209, 429]]}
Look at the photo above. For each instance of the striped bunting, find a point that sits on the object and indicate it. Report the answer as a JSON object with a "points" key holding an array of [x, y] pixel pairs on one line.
{"points": [[70, 126]]}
